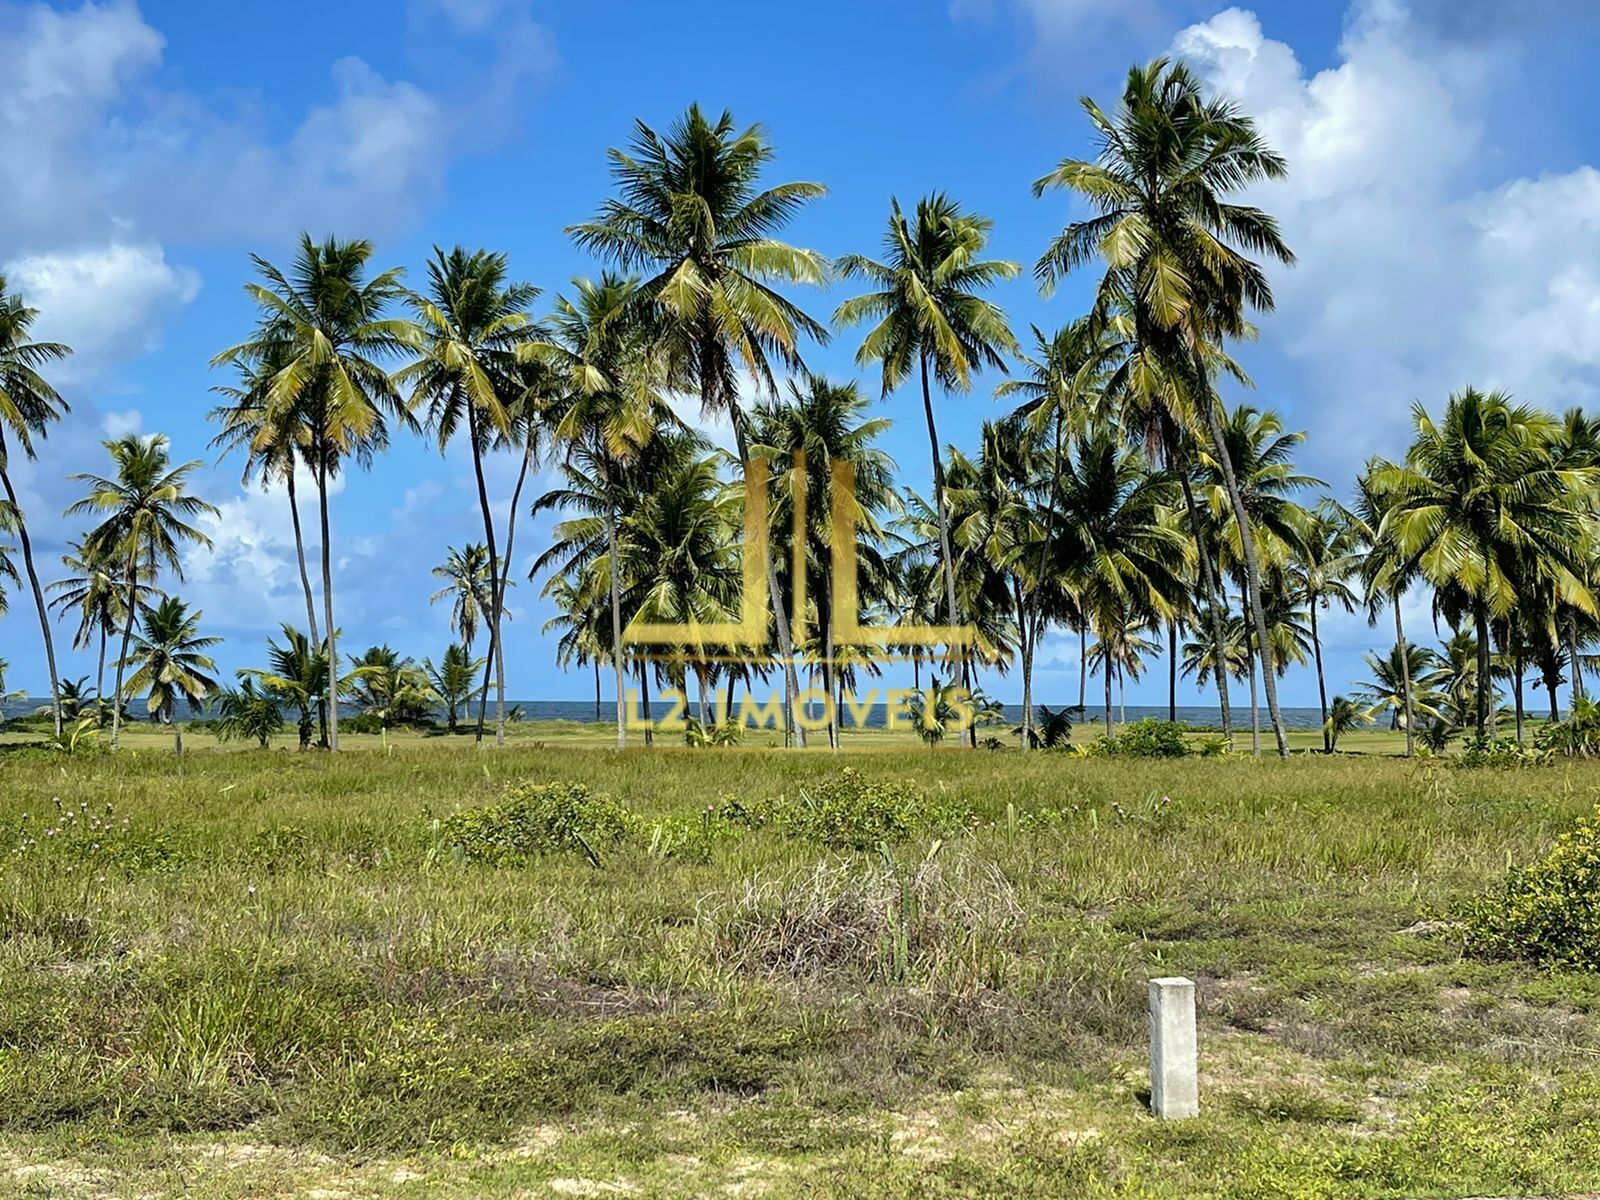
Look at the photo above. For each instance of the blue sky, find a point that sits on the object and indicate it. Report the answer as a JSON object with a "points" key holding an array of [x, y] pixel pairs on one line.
{"points": [[1442, 203]]}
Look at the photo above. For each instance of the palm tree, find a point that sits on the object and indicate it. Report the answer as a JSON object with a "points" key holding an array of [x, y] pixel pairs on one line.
{"points": [[391, 688], [95, 591], [1405, 682], [76, 696], [929, 319], [610, 407], [145, 513], [297, 674], [28, 406], [168, 663], [270, 453], [322, 333], [1326, 562], [1120, 555], [1176, 252], [1384, 574], [474, 333], [454, 680], [245, 712], [1344, 715], [466, 575], [1483, 507], [691, 213]]}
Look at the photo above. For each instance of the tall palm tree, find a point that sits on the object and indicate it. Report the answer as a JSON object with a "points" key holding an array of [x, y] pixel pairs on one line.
{"points": [[691, 213], [1327, 560], [474, 332], [297, 674], [28, 406], [610, 404], [168, 662], [1176, 251], [323, 333], [270, 454], [466, 575], [144, 512], [1483, 507], [929, 318], [95, 590]]}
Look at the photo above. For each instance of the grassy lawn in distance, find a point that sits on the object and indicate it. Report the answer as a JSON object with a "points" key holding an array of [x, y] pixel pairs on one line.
{"points": [[276, 983]]}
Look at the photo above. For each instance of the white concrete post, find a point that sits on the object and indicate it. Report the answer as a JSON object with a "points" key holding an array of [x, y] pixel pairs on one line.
{"points": [[1174, 1065]]}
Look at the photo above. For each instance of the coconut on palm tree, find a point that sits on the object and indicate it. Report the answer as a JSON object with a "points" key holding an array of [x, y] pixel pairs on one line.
{"points": [[691, 214], [145, 511], [1177, 252], [169, 663], [29, 405], [929, 319], [320, 342]]}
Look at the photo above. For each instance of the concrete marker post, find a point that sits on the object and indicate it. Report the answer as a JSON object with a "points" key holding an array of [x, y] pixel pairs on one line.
{"points": [[1174, 1049]]}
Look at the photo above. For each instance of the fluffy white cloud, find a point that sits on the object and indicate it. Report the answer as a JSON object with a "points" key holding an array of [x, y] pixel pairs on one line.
{"points": [[1416, 276], [107, 303]]}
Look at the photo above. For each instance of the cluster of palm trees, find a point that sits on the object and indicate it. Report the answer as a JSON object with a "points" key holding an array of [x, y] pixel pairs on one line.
{"points": [[1118, 498]]}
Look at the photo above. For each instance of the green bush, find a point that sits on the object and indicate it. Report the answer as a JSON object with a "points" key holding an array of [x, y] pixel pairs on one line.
{"points": [[1502, 753], [535, 819], [1148, 738], [853, 812], [1548, 912]]}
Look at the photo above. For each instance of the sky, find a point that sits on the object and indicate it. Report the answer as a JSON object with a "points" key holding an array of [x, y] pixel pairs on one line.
{"points": [[1443, 203]]}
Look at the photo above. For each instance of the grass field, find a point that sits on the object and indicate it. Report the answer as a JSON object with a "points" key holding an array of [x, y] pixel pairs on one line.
{"points": [[272, 981]]}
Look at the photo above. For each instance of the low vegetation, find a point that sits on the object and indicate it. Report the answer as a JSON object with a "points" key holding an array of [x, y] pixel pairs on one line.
{"points": [[682, 972]]}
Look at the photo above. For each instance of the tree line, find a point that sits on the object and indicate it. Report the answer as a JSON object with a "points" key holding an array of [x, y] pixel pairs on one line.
{"points": [[1119, 497]]}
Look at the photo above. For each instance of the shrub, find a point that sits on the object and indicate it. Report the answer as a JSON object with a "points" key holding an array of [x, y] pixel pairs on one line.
{"points": [[1149, 738], [535, 819], [1547, 912], [850, 811], [1503, 753], [693, 838]]}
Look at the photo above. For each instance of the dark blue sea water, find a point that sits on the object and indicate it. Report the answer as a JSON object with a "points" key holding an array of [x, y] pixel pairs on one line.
{"points": [[1200, 716]]}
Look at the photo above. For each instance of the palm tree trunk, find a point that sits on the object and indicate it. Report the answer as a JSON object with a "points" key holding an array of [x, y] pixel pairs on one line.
{"points": [[33, 582], [1083, 666], [597, 689], [1252, 561], [300, 553], [644, 700], [1322, 680], [1404, 654], [100, 670], [1208, 581], [616, 624], [1572, 655], [505, 575], [1516, 690], [1172, 671], [122, 658], [944, 526], [1122, 693], [1485, 683], [780, 616], [331, 712], [1251, 664], [1111, 727], [1025, 647], [496, 646]]}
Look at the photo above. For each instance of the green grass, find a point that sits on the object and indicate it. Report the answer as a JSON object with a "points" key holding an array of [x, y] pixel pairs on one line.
{"points": [[276, 979]]}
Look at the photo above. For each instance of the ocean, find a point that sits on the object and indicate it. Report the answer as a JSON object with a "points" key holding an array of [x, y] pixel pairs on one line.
{"points": [[1197, 715]]}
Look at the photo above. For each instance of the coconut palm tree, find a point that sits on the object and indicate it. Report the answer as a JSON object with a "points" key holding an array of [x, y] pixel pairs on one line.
{"points": [[691, 214], [454, 680], [1404, 681], [1326, 562], [466, 575], [95, 590], [928, 318], [1176, 252], [29, 405], [323, 334], [1344, 715], [610, 376], [391, 688], [247, 712], [1483, 507], [169, 663], [145, 512], [474, 332], [1121, 555], [296, 674], [271, 454]]}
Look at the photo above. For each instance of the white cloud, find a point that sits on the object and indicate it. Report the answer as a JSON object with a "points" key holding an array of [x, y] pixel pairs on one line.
{"points": [[122, 424], [107, 303], [1414, 278]]}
